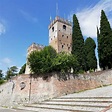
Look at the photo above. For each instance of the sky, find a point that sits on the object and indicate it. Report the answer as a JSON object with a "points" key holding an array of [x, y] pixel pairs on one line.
{"points": [[23, 22]]}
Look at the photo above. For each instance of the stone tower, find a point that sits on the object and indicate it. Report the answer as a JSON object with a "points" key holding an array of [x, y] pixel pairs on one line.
{"points": [[60, 35], [33, 47]]}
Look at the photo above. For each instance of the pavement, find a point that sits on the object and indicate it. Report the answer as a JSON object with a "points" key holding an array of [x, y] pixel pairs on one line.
{"points": [[12, 110]]}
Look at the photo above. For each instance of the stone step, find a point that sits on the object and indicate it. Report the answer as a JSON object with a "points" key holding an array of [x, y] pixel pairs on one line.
{"points": [[78, 103], [79, 108], [83, 100], [110, 110], [67, 97], [49, 109]]}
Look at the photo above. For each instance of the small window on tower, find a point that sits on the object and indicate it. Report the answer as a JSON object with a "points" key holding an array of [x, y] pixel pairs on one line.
{"points": [[62, 46], [62, 35], [64, 27], [52, 29], [68, 48]]}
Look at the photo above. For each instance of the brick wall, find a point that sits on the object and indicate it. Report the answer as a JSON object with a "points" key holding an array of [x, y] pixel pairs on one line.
{"points": [[38, 89]]}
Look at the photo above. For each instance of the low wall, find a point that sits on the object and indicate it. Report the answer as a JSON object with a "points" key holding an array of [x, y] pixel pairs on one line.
{"points": [[26, 89]]}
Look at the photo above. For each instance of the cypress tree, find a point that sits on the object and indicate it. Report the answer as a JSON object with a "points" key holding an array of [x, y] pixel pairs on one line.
{"points": [[105, 42], [91, 60], [78, 43]]}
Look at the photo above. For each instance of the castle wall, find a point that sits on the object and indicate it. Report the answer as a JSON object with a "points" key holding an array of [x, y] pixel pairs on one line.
{"points": [[39, 89]]}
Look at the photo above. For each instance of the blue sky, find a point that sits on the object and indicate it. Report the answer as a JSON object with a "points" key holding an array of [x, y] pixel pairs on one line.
{"points": [[23, 22]]}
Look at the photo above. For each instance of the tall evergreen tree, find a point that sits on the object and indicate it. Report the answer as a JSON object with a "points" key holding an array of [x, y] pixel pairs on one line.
{"points": [[22, 70], [78, 43], [105, 42], [91, 60], [1, 74]]}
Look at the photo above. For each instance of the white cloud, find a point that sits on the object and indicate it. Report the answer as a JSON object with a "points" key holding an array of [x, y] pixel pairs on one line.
{"points": [[2, 28], [89, 17], [7, 61], [28, 17]]}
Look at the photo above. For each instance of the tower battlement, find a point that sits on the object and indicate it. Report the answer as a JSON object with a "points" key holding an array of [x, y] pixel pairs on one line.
{"points": [[34, 47], [59, 19]]}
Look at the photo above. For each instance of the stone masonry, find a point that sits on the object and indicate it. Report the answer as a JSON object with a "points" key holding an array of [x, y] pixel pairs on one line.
{"points": [[26, 89]]}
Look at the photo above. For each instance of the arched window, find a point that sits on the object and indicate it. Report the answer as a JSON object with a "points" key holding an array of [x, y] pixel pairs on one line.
{"points": [[64, 27]]}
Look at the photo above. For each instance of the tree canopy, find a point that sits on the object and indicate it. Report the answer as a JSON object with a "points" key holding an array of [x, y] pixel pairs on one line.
{"points": [[78, 43], [91, 60], [64, 62], [12, 71], [1, 74], [41, 61], [48, 60], [104, 42], [22, 70]]}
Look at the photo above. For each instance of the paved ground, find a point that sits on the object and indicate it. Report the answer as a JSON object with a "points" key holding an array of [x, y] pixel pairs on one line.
{"points": [[12, 110]]}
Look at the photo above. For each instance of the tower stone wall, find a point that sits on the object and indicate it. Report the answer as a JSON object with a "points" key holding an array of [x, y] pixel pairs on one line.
{"points": [[33, 47], [60, 35]]}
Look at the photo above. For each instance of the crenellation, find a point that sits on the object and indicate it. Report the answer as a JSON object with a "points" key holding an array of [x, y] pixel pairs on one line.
{"points": [[59, 19]]}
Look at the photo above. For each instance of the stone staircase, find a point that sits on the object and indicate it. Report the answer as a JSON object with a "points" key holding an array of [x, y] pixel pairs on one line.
{"points": [[97, 100], [72, 104]]}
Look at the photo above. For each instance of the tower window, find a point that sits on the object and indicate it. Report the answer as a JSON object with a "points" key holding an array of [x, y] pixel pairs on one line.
{"points": [[62, 46], [62, 35], [52, 29], [67, 36], [64, 27]]}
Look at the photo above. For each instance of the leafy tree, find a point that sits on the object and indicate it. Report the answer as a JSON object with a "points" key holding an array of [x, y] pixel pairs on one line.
{"points": [[91, 60], [78, 44], [22, 70], [41, 61], [12, 71], [64, 62], [105, 42], [1, 74]]}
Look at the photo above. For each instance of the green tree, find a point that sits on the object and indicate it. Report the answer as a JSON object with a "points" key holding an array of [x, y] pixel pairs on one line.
{"points": [[64, 62], [1, 74], [22, 70], [12, 71], [105, 42], [41, 61], [78, 44], [91, 60]]}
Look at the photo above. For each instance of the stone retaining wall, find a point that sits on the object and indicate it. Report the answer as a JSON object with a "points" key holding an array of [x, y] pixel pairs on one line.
{"points": [[26, 89]]}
